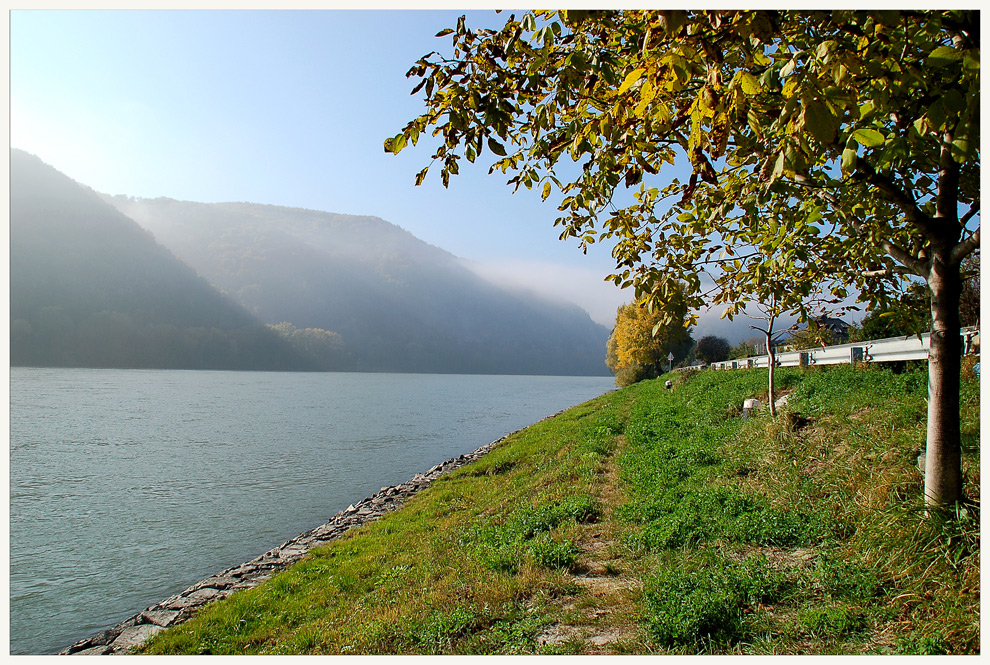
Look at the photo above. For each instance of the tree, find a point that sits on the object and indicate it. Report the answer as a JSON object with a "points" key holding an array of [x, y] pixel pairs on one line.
{"points": [[911, 315], [969, 300], [774, 304], [812, 335], [857, 131], [712, 349], [641, 341], [749, 347]]}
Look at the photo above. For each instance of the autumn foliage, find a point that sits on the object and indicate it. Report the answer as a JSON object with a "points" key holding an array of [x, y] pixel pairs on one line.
{"points": [[640, 343]]}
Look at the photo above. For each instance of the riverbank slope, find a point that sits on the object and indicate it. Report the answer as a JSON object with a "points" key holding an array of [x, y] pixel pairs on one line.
{"points": [[652, 521]]}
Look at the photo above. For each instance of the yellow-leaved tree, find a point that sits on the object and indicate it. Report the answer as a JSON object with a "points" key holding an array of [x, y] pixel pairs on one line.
{"points": [[641, 341]]}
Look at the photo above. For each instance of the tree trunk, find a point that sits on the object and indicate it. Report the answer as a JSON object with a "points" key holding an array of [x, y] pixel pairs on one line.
{"points": [[772, 361], [943, 461]]}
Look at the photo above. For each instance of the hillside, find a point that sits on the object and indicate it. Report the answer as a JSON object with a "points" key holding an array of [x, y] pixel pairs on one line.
{"points": [[247, 286], [397, 303], [653, 521], [91, 288]]}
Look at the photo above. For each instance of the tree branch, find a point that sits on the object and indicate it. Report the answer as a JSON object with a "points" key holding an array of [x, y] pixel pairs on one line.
{"points": [[965, 248], [899, 254], [948, 182], [912, 213], [888, 272], [969, 215]]}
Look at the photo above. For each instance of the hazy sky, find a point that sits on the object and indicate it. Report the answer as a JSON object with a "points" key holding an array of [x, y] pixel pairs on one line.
{"points": [[280, 107]]}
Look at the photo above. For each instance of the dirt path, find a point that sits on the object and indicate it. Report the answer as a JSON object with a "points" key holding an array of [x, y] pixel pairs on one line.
{"points": [[601, 618]]}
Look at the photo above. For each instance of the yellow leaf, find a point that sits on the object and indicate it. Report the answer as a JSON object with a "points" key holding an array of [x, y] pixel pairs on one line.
{"points": [[761, 59], [632, 77], [749, 83], [790, 87]]}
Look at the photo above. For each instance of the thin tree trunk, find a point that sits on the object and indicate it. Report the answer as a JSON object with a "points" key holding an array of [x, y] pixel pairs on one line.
{"points": [[772, 361], [943, 459]]}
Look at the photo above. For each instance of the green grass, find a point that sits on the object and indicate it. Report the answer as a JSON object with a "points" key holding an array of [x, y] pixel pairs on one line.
{"points": [[837, 503], [471, 565], [789, 535]]}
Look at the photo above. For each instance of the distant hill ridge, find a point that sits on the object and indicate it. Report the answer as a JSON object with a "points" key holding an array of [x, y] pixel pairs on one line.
{"points": [[398, 303], [350, 292], [90, 288]]}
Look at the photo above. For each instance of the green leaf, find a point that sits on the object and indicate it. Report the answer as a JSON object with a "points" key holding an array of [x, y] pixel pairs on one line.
{"points": [[445, 32], [631, 78], [869, 138], [943, 56], [496, 147], [790, 87], [849, 160], [960, 149], [953, 101], [761, 59], [547, 186], [573, 16], [820, 122], [778, 167], [936, 115], [867, 109]]}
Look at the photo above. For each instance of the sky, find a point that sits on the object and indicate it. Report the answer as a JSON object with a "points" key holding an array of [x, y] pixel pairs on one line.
{"points": [[287, 108]]}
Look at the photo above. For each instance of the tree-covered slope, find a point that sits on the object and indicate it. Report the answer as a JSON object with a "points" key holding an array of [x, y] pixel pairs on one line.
{"points": [[89, 287], [397, 303]]}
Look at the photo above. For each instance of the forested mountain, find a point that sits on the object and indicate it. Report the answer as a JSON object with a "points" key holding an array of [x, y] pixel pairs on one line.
{"points": [[396, 303], [91, 288]]}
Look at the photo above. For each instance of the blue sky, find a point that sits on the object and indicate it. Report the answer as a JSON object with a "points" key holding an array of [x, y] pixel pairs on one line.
{"points": [[279, 107]]}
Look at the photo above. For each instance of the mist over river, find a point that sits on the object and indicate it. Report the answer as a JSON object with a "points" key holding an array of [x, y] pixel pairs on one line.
{"points": [[127, 486]]}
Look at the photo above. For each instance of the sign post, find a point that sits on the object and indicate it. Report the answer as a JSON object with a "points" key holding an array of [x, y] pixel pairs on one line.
{"points": [[670, 361]]}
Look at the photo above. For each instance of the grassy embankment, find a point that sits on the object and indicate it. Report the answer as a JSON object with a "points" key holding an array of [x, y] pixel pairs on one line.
{"points": [[653, 521]]}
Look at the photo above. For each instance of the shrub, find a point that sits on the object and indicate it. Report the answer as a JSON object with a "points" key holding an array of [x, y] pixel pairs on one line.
{"points": [[833, 622], [705, 605], [551, 553], [529, 531]]}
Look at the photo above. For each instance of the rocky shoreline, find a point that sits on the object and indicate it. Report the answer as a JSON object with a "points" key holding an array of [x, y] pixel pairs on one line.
{"points": [[174, 610]]}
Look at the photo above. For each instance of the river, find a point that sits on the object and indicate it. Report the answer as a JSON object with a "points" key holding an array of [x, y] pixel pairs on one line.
{"points": [[127, 486]]}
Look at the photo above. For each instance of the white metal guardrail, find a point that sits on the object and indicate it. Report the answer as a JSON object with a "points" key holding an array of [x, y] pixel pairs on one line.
{"points": [[909, 347]]}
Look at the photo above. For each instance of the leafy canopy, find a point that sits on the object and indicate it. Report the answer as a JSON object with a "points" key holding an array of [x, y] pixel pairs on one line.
{"points": [[712, 349], [827, 149], [642, 340]]}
